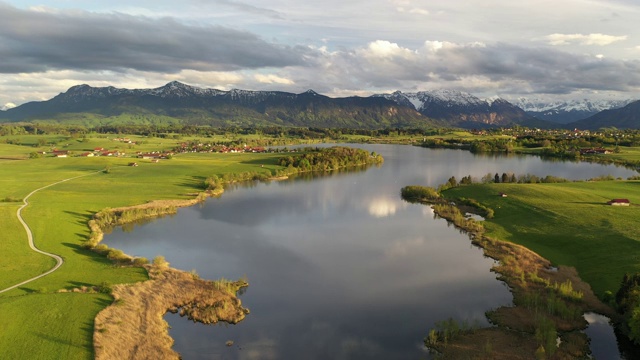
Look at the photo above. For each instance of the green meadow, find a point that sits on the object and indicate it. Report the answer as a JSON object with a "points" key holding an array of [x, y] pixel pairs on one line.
{"points": [[569, 224], [35, 318]]}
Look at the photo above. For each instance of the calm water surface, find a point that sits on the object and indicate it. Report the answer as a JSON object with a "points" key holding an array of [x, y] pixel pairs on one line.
{"points": [[339, 266]]}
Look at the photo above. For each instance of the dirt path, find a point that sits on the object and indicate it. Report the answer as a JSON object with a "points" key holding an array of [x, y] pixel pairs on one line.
{"points": [[59, 260]]}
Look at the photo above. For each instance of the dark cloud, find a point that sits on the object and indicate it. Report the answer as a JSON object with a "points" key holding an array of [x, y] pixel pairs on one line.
{"points": [[34, 41], [520, 69]]}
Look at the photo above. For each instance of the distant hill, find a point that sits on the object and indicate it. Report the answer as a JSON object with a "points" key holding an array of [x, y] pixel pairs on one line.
{"points": [[177, 102], [627, 117], [462, 109], [564, 112]]}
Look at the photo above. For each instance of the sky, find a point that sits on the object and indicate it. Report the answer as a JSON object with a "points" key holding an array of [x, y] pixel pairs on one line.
{"points": [[537, 49]]}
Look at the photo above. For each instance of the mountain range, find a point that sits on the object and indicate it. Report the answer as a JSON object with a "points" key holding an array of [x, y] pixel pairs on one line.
{"points": [[564, 112], [176, 102]]}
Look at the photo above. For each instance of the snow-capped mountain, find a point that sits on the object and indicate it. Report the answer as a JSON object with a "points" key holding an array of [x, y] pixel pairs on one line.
{"points": [[564, 112], [627, 117], [459, 108]]}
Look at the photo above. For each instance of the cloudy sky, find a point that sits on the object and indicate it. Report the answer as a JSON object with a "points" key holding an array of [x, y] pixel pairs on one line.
{"points": [[530, 48]]}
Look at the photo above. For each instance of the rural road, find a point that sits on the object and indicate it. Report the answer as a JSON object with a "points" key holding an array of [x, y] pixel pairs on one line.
{"points": [[58, 259]]}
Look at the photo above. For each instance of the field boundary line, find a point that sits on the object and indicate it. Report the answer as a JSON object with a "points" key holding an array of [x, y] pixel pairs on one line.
{"points": [[58, 258]]}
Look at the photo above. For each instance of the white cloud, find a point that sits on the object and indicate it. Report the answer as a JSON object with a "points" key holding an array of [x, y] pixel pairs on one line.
{"points": [[581, 39], [8, 106], [382, 207], [386, 49], [419, 11], [272, 79]]}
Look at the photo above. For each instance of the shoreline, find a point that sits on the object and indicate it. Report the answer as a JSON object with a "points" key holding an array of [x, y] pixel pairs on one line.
{"points": [[548, 304], [133, 326], [117, 334], [114, 336]]}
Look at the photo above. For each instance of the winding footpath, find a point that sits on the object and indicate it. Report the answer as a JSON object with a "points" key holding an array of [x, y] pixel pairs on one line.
{"points": [[58, 258]]}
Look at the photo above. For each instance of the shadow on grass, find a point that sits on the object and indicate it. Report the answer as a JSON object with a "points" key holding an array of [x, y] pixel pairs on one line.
{"points": [[28, 290], [588, 203], [81, 218], [271, 160], [52, 338], [195, 184], [78, 249], [77, 284]]}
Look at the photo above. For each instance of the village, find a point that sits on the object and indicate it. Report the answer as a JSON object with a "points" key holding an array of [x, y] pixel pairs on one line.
{"points": [[182, 148]]}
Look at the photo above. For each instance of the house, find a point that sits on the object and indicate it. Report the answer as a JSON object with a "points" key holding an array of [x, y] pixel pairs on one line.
{"points": [[60, 153], [133, 164], [619, 202], [594, 151], [87, 154], [502, 194]]}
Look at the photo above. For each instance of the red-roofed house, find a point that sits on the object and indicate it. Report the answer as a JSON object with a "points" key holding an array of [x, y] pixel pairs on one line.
{"points": [[619, 202]]}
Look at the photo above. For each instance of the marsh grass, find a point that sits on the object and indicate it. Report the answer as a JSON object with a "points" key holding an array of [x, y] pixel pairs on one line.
{"points": [[546, 302], [134, 326]]}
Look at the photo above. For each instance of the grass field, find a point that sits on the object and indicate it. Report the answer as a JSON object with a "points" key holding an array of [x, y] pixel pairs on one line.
{"points": [[549, 218], [35, 319], [569, 224]]}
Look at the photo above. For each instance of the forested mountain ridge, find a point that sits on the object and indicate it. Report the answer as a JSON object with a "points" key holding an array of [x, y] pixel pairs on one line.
{"points": [[177, 102]]}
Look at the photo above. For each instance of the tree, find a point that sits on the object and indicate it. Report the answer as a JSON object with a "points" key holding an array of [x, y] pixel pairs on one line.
{"points": [[452, 181], [496, 178], [505, 178]]}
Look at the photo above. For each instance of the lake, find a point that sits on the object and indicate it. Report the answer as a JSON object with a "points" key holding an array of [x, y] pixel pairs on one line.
{"points": [[339, 266]]}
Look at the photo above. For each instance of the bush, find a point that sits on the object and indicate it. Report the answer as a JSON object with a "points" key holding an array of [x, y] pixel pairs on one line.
{"points": [[139, 261], [415, 193], [160, 262], [104, 288]]}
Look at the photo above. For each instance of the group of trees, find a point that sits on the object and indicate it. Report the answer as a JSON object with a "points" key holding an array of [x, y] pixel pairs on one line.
{"points": [[164, 130], [506, 177], [330, 159], [627, 301]]}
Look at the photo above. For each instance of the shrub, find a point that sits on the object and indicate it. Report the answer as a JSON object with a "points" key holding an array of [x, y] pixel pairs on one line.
{"points": [[117, 255], [419, 193], [160, 262], [139, 261], [104, 288]]}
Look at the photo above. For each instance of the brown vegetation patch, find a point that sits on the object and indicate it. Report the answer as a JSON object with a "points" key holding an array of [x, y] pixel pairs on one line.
{"points": [[549, 303], [489, 343], [133, 326]]}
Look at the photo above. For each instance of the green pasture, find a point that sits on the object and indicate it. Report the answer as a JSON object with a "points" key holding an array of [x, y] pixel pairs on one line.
{"points": [[569, 224], [49, 326], [625, 154], [60, 325], [467, 136]]}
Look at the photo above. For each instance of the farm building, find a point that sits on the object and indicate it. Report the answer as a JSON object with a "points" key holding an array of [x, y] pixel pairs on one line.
{"points": [[619, 202]]}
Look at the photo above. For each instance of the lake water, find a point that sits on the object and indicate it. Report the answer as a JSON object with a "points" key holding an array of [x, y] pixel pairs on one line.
{"points": [[606, 345], [339, 266]]}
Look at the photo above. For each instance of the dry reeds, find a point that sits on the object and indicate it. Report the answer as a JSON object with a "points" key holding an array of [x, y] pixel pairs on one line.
{"points": [[134, 328]]}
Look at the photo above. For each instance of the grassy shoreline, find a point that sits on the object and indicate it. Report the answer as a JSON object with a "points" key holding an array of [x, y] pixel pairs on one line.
{"points": [[72, 206], [133, 326], [139, 207], [548, 304]]}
